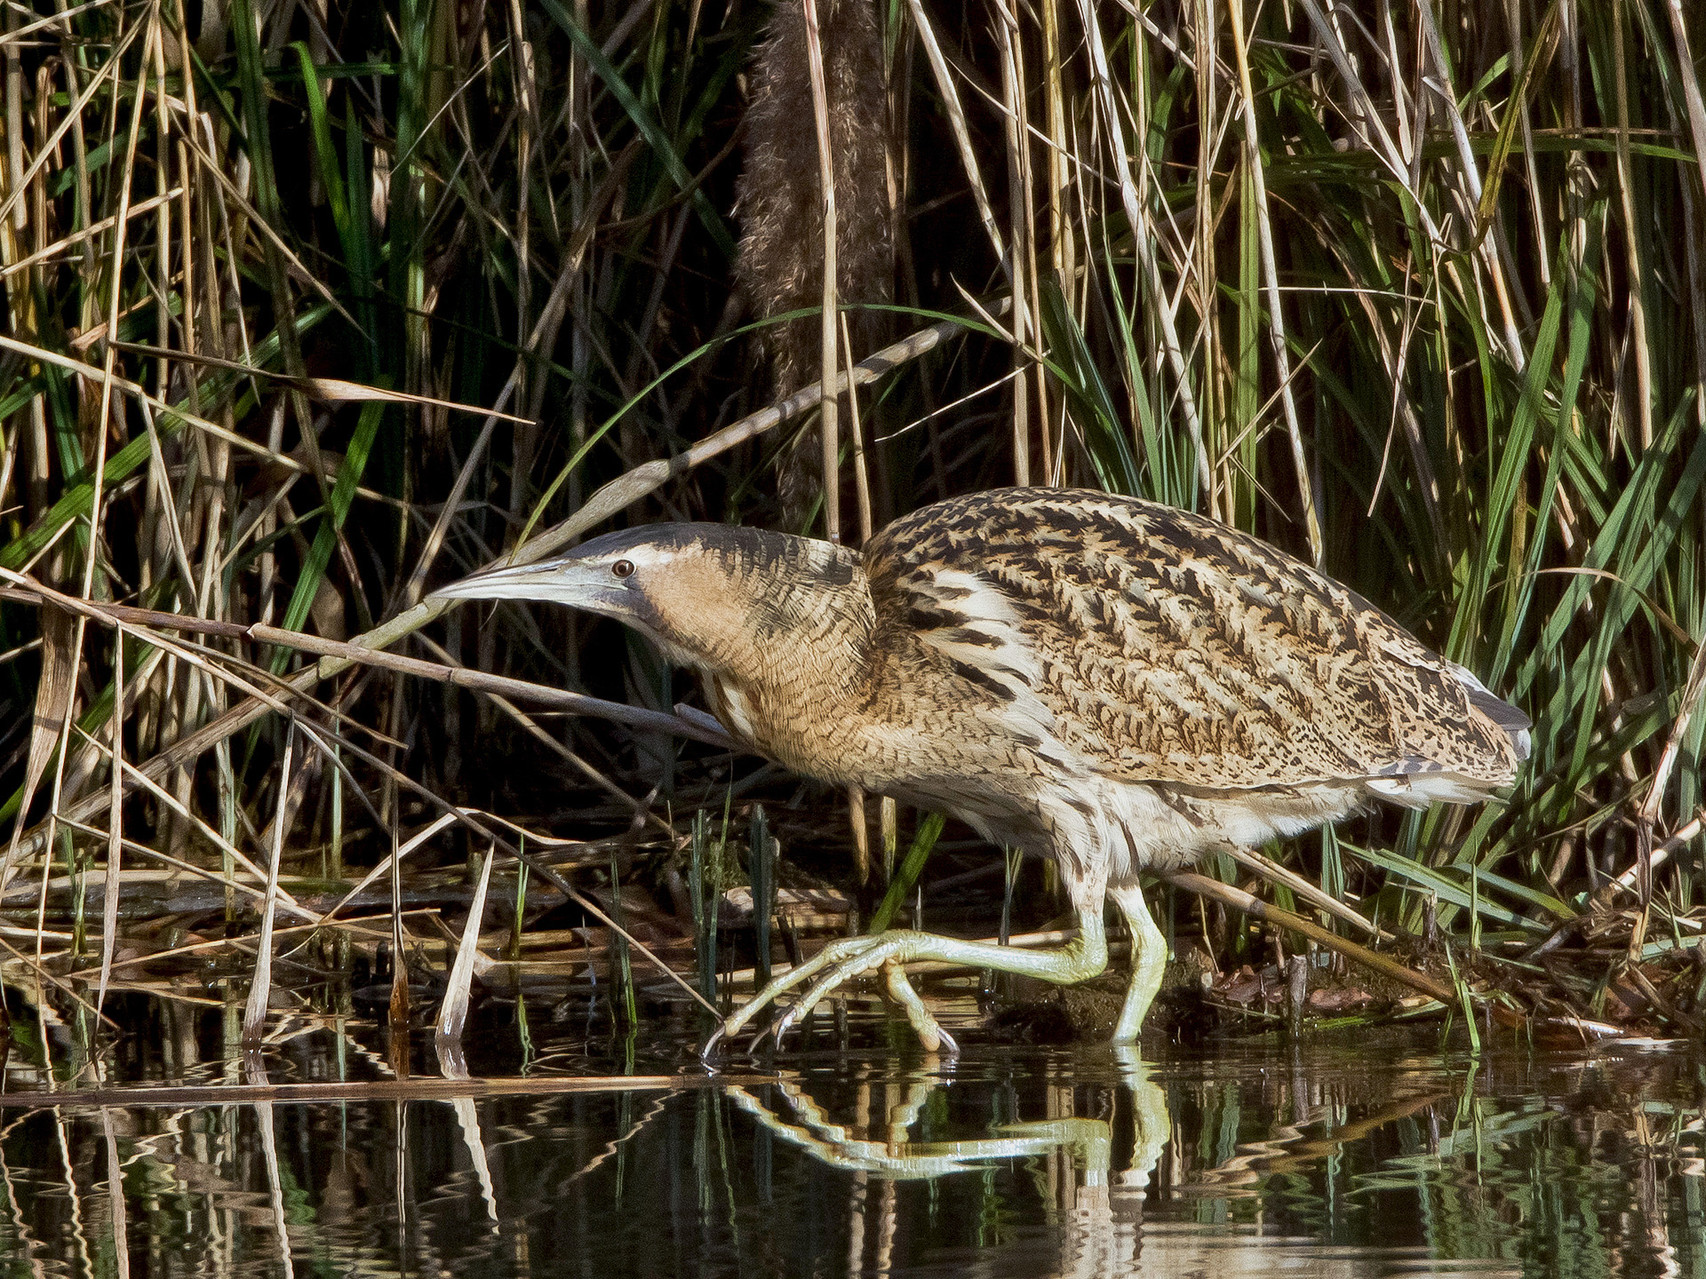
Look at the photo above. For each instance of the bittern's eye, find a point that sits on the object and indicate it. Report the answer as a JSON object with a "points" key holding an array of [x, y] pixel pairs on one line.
{"points": [[623, 568]]}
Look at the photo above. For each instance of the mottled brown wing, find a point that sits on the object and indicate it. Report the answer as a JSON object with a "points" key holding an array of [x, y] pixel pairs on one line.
{"points": [[1166, 647]]}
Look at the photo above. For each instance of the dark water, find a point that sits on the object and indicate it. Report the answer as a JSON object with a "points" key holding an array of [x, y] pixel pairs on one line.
{"points": [[1374, 1156]]}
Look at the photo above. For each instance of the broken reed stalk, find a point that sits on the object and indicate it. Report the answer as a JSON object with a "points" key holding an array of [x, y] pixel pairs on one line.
{"points": [[453, 1011]]}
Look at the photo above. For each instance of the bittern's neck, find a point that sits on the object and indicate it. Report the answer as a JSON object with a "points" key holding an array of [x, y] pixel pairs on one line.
{"points": [[804, 638], [791, 677]]}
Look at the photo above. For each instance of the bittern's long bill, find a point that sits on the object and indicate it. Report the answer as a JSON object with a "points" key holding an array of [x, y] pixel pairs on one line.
{"points": [[1112, 683]]}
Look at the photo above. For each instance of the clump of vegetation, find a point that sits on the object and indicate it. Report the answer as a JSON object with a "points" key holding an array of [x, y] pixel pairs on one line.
{"points": [[310, 308]]}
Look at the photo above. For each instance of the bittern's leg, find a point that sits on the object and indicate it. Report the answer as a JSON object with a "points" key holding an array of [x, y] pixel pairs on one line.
{"points": [[1148, 961], [841, 961]]}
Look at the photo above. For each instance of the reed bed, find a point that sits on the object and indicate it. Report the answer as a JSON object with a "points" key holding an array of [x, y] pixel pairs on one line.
{"points": [[312, 306]]}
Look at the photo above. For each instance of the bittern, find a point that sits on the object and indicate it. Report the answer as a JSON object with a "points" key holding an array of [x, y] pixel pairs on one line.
{"points": [[1109, 682]]}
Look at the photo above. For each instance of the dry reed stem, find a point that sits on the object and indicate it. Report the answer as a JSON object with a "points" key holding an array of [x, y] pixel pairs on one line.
{"points": [[260, 982], [1270, 277], [829, 433]]}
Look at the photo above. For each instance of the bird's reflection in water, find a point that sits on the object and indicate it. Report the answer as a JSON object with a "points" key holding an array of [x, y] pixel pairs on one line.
{"points": [[1098, 1190], [1088, 1141], [1130, 1181]]}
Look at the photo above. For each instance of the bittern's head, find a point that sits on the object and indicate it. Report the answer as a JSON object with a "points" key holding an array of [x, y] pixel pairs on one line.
{"points": [[709, 595]]}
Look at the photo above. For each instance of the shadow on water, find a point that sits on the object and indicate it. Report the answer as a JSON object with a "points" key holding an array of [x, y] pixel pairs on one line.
{"points": [[1380, 1157]]}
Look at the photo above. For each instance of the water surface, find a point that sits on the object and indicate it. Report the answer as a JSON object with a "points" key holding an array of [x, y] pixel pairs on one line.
{"points": [[1377, 1155]]}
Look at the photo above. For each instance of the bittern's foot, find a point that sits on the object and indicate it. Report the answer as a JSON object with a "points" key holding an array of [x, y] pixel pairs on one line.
{"points": [[836, 965], [841, 961]]}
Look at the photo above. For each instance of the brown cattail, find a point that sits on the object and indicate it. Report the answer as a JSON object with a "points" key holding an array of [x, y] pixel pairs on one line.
{"points": [[781, 202]]}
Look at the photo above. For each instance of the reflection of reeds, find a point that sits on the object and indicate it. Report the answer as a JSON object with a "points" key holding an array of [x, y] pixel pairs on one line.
{"points": [[703, 883], [1336, 1155], [305, 316], [623, 1002], [764, 852]]}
